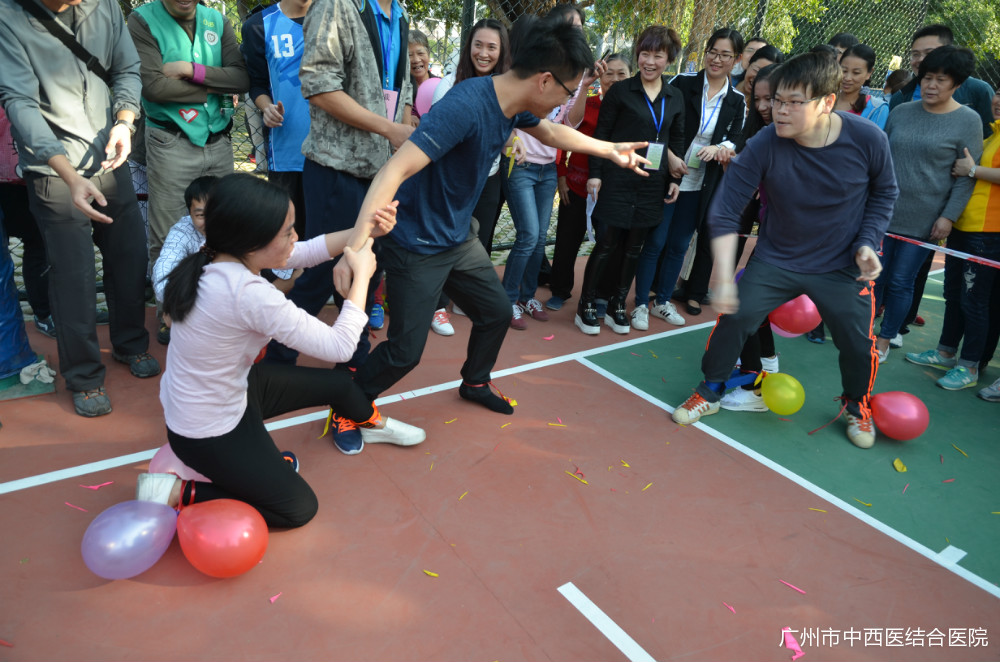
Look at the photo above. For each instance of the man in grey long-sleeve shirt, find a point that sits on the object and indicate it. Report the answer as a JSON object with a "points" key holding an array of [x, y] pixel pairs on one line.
{"points": [[827, 181], [72, 133]]}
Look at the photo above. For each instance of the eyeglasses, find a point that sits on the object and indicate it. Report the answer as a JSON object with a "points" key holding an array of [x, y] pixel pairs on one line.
{"points": [[794, 105], [724, 58], [556, 79]]}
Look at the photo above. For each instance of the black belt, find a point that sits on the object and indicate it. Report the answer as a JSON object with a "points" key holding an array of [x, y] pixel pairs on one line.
{"points": [[177, 131]]}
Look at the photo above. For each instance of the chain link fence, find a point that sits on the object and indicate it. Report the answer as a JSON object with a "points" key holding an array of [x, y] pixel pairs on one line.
{"points": [[794, 26]]}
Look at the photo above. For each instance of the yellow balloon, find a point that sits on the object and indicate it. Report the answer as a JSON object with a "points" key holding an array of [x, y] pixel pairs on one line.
{"points": [[783, 394]]}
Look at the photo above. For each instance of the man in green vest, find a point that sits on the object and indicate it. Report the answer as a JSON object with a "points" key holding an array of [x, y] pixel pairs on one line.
{"points": [[191, 66]]}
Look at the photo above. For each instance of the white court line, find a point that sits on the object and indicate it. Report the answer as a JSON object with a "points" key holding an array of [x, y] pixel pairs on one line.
{"points": [[947, 558], [133, 458], [626, 644]]}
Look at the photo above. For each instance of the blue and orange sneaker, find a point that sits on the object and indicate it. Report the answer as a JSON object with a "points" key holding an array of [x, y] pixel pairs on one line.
{"points": [[346, 435], [377, 319], [291, 459]]}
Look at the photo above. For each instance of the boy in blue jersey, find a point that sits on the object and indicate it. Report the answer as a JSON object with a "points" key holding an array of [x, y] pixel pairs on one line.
{"points": [[439, 174], [830, 188], [272, 47]]}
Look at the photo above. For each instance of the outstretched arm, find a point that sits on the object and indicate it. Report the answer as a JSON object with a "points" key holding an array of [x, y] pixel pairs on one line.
{"points": [[571, 140]]}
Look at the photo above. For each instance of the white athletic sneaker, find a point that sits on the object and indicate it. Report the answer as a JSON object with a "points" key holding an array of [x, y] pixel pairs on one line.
{"points": [[394, 432], [896, 342], [441, 324], [883, 356], [640, 318], [155, 487], [740, 399], [693, 409], [769, 363], [860, 432], [667, 311]]}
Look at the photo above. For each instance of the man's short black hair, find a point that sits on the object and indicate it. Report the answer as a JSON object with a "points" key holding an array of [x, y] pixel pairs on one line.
{"points": [[549, 44], [844, 40], [817, 74], [199, 189], [942, 32], [959, 64]]}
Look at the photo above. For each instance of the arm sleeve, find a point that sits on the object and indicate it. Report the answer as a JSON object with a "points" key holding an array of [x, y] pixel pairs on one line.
{"points": [[126, 85], [882, 194], [19, 91], [961, 187], [254, 51], [676, 143], [606, 120], [308, 253], [327, 49], [155, 86], [181, 241], [231, 77], [738, 185]]}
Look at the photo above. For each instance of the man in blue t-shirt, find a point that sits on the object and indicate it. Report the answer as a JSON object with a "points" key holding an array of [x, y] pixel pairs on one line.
{"points": [[830, 189], [439, 174]]}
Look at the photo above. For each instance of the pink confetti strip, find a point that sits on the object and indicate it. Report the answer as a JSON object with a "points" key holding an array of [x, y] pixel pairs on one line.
{"points": [[6, 643], [97, 487], [942, 458], [275, 597], [559, 419], [950, 480], [791, 643], [549, 337], [792, 586], [77, 507], [634, 354], [729, 606], [904, 488]]}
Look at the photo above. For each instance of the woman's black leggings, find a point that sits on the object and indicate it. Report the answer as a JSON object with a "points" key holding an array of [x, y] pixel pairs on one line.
{"points": [[245, 464], [600, 259]]}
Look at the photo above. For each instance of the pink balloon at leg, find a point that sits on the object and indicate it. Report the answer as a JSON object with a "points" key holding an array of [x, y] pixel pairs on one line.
{"points": [[781, 332], [165, 462], [425, 95], [796, 316]]}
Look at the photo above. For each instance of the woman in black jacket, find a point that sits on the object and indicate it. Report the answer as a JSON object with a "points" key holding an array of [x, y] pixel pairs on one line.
{"points": [[713, 133], [642, 108]]}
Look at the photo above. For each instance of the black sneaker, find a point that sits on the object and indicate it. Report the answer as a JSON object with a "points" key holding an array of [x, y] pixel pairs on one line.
{"points": [[46, 326], [163, 335], [291, 460], [616, 316], [141, 365], [586, 318], [92, 403]]}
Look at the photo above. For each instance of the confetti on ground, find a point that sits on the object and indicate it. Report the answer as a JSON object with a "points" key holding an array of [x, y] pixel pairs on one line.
{"points": [[785, 419], [868, 505], [579, 473], [77, 507], [995, 512], [792, 586], [960, 450], [97, 487], [557, 425], [430, 574], [275, 597], [949, 480], [582, 480], [791, 643], [6, 643], [624, 463], [729, 606], [818, 510], [654, 355], [558, 419], [504, 425], [634, 354], [942, 458], [326, 428], [26, 559], [451, 421], [432, 467], [463, 495], [904, 488], [549, 337], [646, 488], [899, 466]]}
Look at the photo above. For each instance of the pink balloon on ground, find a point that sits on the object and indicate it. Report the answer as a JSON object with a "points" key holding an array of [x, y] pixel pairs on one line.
{"points": [[165, 462], [900, 415], [425, 95], [797, 316], [781, 332]]}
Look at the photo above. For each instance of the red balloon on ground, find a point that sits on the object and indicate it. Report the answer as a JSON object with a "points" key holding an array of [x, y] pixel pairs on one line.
{"points": [[797, 316], [900, 415], [223, 537]]}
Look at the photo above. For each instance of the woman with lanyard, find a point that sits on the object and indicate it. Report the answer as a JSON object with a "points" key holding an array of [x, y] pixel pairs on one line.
{"points": [[485, 52], [644, 107], [713, 132], [572, 185]]}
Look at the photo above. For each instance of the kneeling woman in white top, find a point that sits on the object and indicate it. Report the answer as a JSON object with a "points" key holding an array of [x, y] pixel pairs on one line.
{"points": [[215, 398]]}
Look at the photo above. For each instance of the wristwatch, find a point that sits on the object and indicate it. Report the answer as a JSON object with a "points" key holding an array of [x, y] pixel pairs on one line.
{"points": [[128, 125], [972, 172]]}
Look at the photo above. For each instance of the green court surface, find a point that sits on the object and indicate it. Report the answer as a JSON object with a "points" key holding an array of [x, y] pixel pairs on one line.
{"points": [[963, 513]]}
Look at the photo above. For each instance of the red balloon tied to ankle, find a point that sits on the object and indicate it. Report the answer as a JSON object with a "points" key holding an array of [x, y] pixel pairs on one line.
{"points": [[223, 537], [900, 415]]}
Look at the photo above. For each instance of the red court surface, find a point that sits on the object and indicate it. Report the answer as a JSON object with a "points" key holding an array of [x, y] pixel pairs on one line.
{"points": [[676, 545]]}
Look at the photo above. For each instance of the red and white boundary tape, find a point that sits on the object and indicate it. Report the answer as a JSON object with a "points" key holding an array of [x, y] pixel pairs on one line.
{"points": [[948, 251]]}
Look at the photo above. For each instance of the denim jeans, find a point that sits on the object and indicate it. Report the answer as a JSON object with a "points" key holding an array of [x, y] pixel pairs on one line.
{"points": [[901, 261], [967, 290], [531, 188], [671, 238]]}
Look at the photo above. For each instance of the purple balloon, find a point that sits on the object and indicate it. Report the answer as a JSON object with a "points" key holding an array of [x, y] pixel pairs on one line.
{"points": [[128, 538]]}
